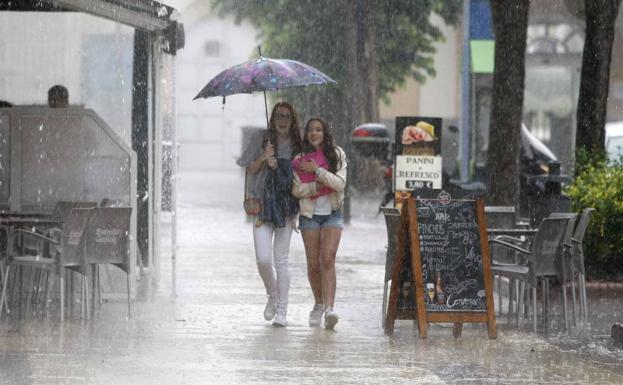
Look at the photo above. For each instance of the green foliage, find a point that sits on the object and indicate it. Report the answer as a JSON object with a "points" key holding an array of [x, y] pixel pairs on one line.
{"points": [[600, 185], [316, 31], [584, 158]]}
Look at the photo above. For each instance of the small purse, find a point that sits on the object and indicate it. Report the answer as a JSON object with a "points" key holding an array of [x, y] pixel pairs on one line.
{"points": [[252, 205]]}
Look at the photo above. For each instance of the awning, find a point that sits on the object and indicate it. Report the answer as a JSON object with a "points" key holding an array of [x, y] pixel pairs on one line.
{"points": [[146, 15]]}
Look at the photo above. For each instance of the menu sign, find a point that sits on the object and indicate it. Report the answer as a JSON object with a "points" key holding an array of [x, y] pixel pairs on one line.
{"points": [[416, 172], [452, 269], [441, 271]]}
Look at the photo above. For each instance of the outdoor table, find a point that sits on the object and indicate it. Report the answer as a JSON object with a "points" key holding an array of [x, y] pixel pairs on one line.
{"points": [[24, 214], [9, 221], [512, 232], [28, 221]]}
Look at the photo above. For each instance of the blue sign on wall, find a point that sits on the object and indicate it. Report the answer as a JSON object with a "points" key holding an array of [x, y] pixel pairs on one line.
{"points": [[480, 26]]}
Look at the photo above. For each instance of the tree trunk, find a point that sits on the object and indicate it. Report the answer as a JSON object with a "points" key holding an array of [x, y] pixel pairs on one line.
{"points": [[367, 58], [510, 22], [592, 103], [355, 89]]}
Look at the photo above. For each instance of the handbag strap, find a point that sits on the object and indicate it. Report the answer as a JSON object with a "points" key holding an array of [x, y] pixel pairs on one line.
{"points": [[246, 184]]}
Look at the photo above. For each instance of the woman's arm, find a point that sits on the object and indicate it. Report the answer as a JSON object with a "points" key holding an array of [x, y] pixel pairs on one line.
{"points": [[303, 190], [337, 180], [266, 156]]}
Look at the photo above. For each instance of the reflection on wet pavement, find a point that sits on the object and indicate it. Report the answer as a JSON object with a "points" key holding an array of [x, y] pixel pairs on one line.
{"points": [[214, 333]]}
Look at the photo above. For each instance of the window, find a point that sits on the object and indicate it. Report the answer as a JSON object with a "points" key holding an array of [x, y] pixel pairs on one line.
{"points": [[212, 48]]}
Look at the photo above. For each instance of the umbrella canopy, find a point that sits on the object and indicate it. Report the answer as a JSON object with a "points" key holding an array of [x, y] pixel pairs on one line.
{"points": [[533, 148], [263, 74]]}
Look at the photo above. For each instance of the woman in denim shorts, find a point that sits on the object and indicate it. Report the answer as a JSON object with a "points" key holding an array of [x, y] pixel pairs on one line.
{"points": [[319, 181]]}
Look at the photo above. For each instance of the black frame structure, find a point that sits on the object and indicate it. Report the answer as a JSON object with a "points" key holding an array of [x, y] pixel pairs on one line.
{"points": [[157, 33]]}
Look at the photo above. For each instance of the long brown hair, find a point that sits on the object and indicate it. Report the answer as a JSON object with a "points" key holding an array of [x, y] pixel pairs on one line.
{"points": [[294, 132], [327, 146]]}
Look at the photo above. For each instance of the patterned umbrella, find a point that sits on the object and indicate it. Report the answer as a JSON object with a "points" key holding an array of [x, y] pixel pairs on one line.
{"points": [[263, 74]]}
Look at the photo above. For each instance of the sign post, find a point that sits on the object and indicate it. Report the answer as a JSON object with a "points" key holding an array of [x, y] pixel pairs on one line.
{"points": [[442, 270]]}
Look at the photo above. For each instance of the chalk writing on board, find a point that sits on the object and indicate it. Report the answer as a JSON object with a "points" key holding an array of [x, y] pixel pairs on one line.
{"points": [[452, 268]]}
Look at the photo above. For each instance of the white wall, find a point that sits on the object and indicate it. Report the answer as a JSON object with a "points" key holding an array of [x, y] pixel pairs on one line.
{"points": [[208, 134], [439, 95], [90, 56]]}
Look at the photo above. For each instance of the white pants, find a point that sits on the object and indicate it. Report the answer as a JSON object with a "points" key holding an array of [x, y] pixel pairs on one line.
{"points": [[272, 246]]}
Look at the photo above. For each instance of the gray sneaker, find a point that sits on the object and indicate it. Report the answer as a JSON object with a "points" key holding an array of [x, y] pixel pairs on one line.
{"points": [[330, 319], [271, 307], [280, 321], [315, 316]]}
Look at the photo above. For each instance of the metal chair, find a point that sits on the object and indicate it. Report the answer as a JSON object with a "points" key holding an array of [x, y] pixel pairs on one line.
{"points": [[392, 223], [538, 261], [61, 211], [61, 250], [107, 241], [501, 217], [577, 256], [63, 208], [564, 265]]}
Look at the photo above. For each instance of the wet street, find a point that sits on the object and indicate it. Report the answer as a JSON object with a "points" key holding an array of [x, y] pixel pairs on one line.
{"points": [[213, 332]]}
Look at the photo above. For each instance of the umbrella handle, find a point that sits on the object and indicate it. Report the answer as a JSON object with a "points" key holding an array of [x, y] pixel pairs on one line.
{"points": [[266, 109]]}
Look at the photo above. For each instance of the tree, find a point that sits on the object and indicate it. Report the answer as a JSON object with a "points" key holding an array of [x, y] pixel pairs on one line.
{"points": [[368, 47], [510, 23], [591, 115]]}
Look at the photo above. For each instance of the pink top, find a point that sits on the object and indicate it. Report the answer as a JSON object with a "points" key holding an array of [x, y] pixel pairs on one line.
{"points": [[307, 177]]}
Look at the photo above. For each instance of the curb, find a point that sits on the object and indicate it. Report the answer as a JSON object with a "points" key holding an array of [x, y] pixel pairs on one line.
{"points": [[603, 285]]}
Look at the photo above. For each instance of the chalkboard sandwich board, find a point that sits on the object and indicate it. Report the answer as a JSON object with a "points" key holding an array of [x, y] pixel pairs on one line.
{"points": [[442, 270]]}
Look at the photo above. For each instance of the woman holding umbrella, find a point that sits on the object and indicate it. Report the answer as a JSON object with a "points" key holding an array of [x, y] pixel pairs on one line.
{"points": [[319, 181], [268, 168]]}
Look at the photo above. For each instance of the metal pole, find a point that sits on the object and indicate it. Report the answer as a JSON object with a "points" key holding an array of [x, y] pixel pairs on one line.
{"points": [[266, 109], [174, 196], [465, 96], [259, 50]]}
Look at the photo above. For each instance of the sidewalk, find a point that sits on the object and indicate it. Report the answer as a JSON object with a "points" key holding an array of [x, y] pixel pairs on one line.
{"points": [[214, 332]]}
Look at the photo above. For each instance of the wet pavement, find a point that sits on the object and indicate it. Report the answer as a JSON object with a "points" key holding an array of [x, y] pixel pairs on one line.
{"points": [[213, 332]]}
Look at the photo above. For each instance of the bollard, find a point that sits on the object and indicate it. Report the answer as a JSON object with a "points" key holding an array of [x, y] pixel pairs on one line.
{"points": [[617, 334]]}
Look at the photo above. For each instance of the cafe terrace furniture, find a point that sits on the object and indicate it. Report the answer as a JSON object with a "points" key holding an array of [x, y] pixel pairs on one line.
{"points": [[538, 262], [564, 265], [63, 249], [46, 224], [501, 217], [577, 256], [106, 240], [10, 220], [61, 211]]}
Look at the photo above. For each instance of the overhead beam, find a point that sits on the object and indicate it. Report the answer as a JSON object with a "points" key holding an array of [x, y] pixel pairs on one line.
{"points": [[148, 16]]}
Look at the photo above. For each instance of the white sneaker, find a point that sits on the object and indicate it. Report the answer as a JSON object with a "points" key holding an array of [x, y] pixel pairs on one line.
{"points": [[315, 316], [280, 321], [330, 319], [271, 307]]}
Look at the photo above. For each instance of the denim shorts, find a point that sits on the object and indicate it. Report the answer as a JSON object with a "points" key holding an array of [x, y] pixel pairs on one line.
{"points": [[317, 222]]}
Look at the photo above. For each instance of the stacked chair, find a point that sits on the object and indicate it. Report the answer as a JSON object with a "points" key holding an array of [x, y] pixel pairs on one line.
{"points": [[576, 254], [106, 240], [60, 250], [501, 217], [536, 262], [88, 237]]}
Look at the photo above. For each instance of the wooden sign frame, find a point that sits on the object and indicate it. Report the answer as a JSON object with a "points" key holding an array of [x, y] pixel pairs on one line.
{"points": [[409, 227]]}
